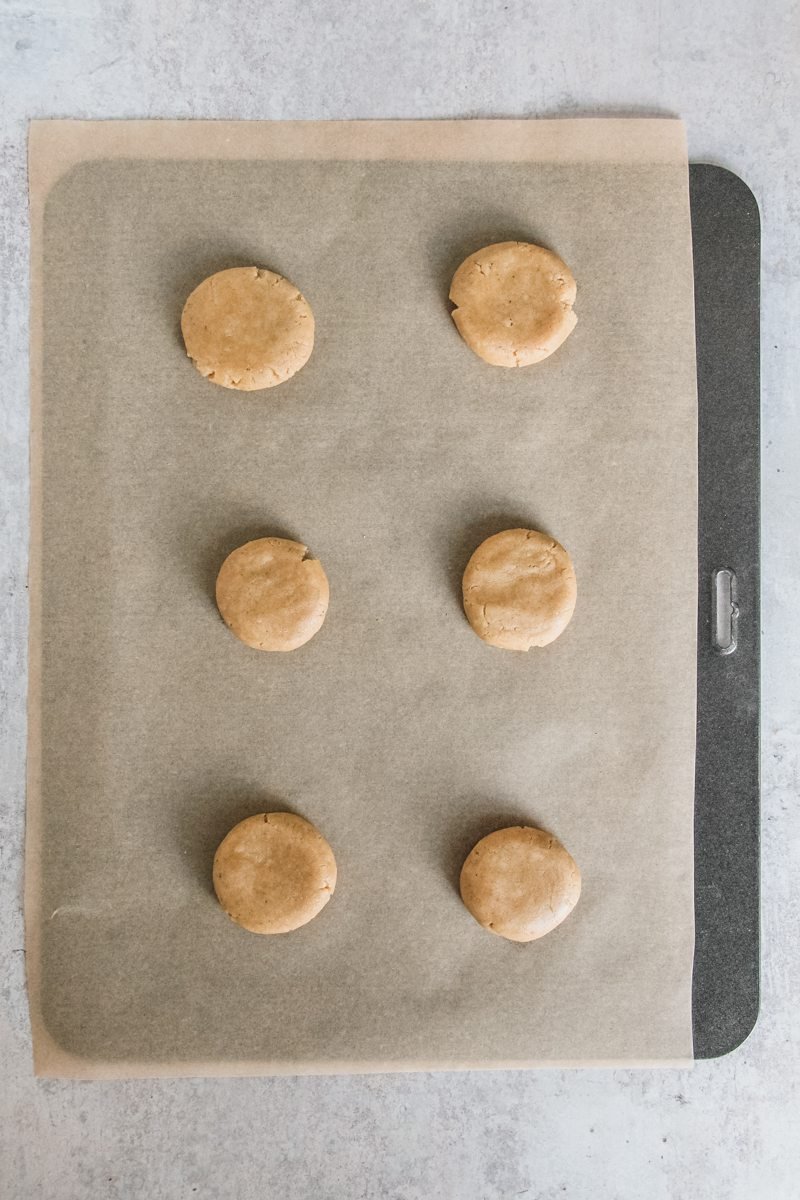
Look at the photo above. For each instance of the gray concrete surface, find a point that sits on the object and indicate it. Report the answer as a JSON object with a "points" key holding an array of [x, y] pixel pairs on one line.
{"points": [[726, 1129]]}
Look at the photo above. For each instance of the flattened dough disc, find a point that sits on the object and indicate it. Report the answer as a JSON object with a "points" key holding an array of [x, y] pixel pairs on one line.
{"points": [[519, 589], [520, 883], [513, 303], [274, 872], [272, 594], [247, 328]]}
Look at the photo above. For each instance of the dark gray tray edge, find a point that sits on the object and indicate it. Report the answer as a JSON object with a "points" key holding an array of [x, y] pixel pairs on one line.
{"points": [[726, 235]]}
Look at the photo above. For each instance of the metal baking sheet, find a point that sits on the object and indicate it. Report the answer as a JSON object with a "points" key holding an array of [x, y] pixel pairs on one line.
{"points": [[727, 246]]}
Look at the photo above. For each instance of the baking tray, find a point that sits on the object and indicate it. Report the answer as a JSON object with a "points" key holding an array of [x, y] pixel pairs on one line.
{"points": [[726, 236], [725, 227]]}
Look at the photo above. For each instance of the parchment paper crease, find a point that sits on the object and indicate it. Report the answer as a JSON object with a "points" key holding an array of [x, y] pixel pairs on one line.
{"points": [[396, 730]]}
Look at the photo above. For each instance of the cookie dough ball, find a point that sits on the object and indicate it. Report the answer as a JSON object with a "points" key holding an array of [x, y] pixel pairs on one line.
{"points": [[520, 883], [272, 594], [247, 328], [519, 589], [514, 303], [274, 872]]}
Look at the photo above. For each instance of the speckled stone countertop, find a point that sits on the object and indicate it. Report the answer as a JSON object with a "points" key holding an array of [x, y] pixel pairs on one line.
{"points": [[725, 1128]]}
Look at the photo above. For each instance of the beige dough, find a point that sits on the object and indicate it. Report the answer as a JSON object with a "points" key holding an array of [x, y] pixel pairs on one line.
{"points": [[519, 589], [272, 594], [247, 328], [514, 303], [520, 883], [274, 872]]}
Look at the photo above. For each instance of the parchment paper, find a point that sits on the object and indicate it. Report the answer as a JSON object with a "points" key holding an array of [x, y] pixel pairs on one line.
{"points": [[392, 454]]}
